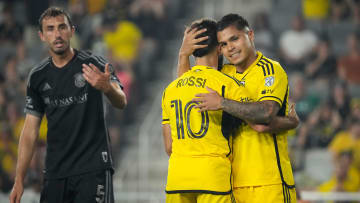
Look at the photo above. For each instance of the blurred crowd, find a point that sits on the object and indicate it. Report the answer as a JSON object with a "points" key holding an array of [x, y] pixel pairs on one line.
{"points": [[129, 33], [320, 52]]}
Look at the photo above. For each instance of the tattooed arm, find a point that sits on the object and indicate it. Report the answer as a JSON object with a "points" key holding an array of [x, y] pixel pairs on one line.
{"points": [[254, 112], [279, 123]]}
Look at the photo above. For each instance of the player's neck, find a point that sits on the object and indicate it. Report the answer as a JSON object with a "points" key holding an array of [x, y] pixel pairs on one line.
{"points": [[210, 60], [241, 67], [60, 60]]}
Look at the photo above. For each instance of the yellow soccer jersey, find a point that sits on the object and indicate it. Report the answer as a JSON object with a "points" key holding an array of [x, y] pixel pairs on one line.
{"points": [[199, 161], [256, 155]]}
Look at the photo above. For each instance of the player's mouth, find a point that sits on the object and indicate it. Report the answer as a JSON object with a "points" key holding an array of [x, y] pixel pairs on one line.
{"points": [[59, 43], [235, 55]]}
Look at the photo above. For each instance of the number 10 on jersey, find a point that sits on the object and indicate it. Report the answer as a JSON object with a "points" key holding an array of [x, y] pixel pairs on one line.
{"points": [[183, 116]]}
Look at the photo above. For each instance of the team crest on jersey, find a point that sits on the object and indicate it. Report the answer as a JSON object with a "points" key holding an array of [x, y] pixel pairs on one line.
{"points": [[242, 83], [79, 80], [269, 81]]}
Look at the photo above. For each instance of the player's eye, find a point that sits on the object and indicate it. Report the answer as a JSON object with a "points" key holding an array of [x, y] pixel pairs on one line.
{"points": [[234, 38]]}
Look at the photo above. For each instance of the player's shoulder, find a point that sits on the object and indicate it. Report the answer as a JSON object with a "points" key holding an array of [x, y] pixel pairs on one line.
{"points": [[228, 69], [87, 55], [268, 67], [38, 68]]}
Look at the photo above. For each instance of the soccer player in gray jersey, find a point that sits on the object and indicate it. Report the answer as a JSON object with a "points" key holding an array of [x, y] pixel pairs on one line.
{"points": [[68, 88]]}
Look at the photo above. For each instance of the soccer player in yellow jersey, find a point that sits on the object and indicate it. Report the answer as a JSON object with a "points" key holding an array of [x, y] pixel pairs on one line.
{"points": [[198, 143], [261, 166]]}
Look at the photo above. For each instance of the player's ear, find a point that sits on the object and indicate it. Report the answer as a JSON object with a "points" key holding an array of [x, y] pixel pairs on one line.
{"points": [[41, 35], [251, 35], [72, 30]]}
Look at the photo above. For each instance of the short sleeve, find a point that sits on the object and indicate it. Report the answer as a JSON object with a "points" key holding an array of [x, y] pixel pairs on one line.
{"points": [[34, 104], [273, 85], [165, 115]]}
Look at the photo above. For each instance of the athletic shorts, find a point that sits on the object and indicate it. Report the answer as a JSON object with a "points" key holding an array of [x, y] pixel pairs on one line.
{"points": [[198, 198], [264, 194], [92, 187]]}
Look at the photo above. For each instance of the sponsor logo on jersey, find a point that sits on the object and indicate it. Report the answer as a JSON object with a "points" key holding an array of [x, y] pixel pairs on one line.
{"points": [[104, 156], [79, 80], [46, 87], [267, 91], [269, 81], [66, 101]]}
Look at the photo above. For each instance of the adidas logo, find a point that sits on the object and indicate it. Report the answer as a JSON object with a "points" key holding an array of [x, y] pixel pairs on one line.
{"points": [[46, 87]]}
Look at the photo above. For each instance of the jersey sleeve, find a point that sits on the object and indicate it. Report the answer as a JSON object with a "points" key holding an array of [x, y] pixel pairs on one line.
{"points": [[273, 84], [34, 104], [165, 115]]}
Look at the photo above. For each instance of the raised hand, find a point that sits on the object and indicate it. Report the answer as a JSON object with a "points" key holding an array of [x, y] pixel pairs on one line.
{"points": [[189, 43], [96, 78]]}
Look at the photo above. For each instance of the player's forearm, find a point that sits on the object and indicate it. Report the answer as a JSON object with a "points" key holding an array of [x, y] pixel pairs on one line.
{"points": [[277, 125], [116, 96], [27, 144], [183, 64], [253, 112]]}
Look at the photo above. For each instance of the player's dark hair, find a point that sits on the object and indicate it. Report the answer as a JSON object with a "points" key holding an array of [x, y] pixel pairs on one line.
{"points": [[53, 12], [211, 41], [232, 20]]}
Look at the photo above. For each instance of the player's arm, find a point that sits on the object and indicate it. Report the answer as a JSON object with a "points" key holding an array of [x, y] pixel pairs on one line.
{"points": [[253, 112], [26, 148], [279, 123], [188, 46], [101, 81], [166, 131]]}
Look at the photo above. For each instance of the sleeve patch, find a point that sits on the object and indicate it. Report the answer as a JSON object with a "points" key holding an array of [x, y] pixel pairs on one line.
{"points": [[269, 81]]}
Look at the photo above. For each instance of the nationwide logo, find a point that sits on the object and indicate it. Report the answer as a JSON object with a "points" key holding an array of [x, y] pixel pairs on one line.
{"points": [[46, 87]]}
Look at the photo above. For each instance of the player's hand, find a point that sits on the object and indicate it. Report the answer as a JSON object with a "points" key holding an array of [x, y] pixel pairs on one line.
{"points": [[189, 43], [208, 101], [96, 78], [16, 192], [292, 113]]}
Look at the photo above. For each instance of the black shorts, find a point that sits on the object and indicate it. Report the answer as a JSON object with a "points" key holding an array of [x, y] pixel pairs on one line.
{"points": [[93, 187]]}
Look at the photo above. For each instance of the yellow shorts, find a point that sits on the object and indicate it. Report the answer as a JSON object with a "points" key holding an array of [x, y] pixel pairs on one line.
{"points": [[198, 198], [264, 194]]}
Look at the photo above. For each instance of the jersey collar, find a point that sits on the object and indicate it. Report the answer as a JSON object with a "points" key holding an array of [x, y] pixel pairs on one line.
{"points": [[194, 68], [259, 56]]}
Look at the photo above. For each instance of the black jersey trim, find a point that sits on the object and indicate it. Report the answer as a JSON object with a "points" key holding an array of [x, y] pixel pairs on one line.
{"points": [[34, 113], [263, 62], [166, 119], [237, 81], [271, 97], [198, 191], [37, 68], [285, 185]]}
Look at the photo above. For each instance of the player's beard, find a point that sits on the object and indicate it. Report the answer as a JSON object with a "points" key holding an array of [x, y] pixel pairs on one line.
{"points": [[60, 51]]}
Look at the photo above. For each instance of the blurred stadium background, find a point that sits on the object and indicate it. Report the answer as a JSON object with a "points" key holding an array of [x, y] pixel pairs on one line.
{"points": [[316, 41]]}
